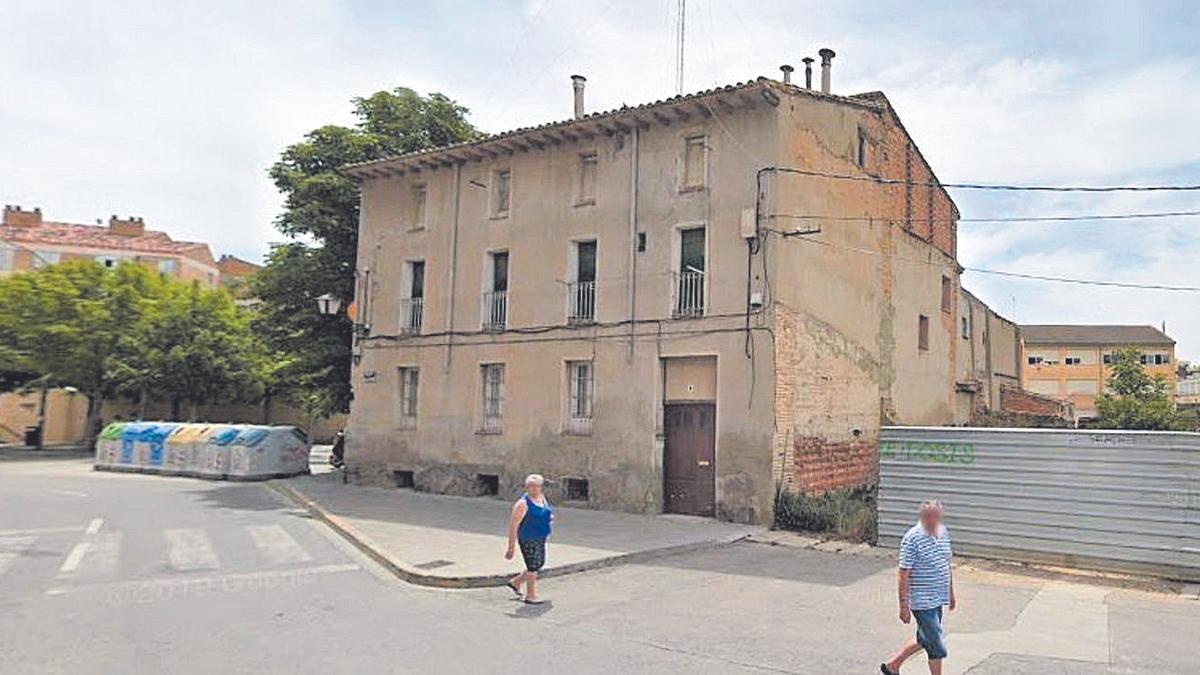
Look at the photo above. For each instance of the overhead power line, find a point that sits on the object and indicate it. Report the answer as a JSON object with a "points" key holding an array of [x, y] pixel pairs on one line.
{"points": [[994, 186], [1088, 282], [1007, 219], [1005, 273]]}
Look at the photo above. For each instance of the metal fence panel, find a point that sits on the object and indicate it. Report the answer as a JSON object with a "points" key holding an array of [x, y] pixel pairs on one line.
{"points": [[1116, 500]]}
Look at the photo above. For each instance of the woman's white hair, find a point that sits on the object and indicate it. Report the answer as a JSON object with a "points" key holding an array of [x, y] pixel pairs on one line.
{"points": [[931, 505], [534, 479]]}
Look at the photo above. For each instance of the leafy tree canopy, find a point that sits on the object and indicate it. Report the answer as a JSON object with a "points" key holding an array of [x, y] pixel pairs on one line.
{"points": [[1135, 399], [320, 218]]}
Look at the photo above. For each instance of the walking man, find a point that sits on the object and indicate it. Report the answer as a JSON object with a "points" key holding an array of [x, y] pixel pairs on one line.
{"points": [[926, 584]]}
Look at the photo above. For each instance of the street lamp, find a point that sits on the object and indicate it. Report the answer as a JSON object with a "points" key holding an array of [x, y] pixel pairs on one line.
{"points": [[328, 304]]}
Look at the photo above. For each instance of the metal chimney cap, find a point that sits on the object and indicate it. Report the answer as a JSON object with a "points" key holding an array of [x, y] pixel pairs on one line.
{"points": [[808, 60], [826, 53], [579, 78], [786, 68]]}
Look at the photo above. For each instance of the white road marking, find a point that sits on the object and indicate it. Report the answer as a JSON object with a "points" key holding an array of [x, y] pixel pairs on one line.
{"points": [[69, 493], [40, 530], [276, 545], [166, 588], [11, 549], [94, 526], [190, 549], [75, 557]]}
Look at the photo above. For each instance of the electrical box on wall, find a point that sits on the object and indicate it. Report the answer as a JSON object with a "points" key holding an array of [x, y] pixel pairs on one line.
{"points": [[749, 224]]}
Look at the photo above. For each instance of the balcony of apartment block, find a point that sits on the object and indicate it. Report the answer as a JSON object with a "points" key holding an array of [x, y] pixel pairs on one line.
{"points": [[412, 312], [495, 310], [581, 303], [689, 294]]}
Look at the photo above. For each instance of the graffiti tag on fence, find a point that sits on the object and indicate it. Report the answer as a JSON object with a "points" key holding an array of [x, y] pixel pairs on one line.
{"points": [[942, 453]]}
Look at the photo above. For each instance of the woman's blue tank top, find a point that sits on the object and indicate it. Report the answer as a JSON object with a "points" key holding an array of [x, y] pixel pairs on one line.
{"points": [[536, 523]]}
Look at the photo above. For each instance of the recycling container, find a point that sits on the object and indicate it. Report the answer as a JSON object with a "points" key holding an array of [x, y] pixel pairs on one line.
{"points": [[180, 448], [127, 459], [108, 445], [151, 446], [213, 456]]}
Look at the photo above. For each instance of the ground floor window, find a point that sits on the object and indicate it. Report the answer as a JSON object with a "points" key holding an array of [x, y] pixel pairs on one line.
{"points": [[492, 403], [579, 397], [409, 381]]}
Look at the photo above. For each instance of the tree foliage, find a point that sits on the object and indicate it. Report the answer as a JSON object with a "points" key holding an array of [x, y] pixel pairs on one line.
{"points": [[126, 331], [320, 218], [1135, 399]]}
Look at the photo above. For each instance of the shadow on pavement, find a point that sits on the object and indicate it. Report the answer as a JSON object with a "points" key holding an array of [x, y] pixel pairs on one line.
{"points": [[530, 611], [244, 497], [778, 562]]}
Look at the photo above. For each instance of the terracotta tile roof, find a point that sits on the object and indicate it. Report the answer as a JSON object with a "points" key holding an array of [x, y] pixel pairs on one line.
{"points": [[1076, 334], [763, 86], [101, 237]]}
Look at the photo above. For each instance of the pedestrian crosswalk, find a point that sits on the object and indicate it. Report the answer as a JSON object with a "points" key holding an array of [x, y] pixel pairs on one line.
{"points": [[98, 552]]}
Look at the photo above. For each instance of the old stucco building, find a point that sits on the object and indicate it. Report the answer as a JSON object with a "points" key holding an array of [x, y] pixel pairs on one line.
{"points": [[679, 306]]}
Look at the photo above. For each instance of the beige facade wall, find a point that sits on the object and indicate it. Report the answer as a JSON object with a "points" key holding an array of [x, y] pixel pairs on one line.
{"points": [[622, 457], [988, 358], [847, 299], [1081, 383], [66, 415]]}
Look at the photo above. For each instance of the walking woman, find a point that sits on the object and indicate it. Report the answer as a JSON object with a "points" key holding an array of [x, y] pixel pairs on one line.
{"points": [[529, 526]]}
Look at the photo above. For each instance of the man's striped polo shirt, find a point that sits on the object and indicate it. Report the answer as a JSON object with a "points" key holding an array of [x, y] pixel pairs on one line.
{"points": [[927, 559]]}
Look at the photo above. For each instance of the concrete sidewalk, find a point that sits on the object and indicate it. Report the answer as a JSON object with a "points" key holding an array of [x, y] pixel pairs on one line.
{"points": [[458, 542]]}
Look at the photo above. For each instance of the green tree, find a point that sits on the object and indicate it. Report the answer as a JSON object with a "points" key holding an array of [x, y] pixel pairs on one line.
{"points": [[191, 345], [62, 325], [1135, 400], [320, 218]]}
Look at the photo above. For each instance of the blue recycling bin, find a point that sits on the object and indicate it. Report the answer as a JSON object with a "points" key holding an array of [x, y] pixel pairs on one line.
{"points": [[129, 436]]}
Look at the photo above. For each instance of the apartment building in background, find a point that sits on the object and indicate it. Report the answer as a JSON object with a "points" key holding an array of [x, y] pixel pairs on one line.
{"points": [[679, 306], [28, 241], [1072, 362]]}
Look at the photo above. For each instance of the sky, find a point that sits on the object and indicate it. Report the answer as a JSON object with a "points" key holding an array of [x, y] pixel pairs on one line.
{"points": [[174, 111]]}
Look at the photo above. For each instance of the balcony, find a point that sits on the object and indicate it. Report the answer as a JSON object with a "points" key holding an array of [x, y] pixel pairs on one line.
{"points": [[689, 294], [411, 312], [581, 302], [495, 310]]}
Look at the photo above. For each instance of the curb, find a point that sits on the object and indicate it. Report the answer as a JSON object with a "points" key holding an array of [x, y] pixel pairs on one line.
{"points": [[413, 576]]}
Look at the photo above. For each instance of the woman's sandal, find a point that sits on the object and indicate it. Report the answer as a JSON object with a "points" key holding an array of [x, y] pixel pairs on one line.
{"points": [[514, 588]]}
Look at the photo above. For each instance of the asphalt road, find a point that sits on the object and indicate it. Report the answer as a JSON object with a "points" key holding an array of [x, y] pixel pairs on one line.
{"points": [[114, 573]]}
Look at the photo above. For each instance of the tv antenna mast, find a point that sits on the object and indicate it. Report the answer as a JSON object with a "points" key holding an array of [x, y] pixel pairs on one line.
{"points": [[680, 26]]}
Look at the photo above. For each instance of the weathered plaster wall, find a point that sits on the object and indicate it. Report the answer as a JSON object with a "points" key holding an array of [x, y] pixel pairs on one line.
{"points": [[622, 457], [848, 297]]}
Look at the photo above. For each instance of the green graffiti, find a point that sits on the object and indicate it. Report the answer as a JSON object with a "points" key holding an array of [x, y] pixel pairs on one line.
{"points": [[941, 453]]}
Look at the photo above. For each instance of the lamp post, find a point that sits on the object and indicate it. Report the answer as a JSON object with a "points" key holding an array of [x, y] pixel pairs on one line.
{"points": [[328, 304]]}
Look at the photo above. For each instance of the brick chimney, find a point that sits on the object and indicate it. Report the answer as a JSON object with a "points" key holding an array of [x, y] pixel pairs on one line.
{"points": [[130, 227], [15, 216]]}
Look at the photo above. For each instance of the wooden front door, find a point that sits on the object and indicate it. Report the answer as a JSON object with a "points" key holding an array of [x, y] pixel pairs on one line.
{"points": [[689, 458]]}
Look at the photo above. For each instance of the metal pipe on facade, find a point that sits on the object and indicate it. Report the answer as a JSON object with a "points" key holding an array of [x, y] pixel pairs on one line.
{"points": [[453, 263], [633, 237]]}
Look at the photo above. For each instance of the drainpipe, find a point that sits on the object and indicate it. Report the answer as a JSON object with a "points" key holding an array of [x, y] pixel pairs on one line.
{"points": [[633, 239], [453, 264]]}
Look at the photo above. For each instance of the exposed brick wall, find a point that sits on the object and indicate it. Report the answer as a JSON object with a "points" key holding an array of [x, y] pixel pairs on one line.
{"points": [[822, 465], [1013, 400]]}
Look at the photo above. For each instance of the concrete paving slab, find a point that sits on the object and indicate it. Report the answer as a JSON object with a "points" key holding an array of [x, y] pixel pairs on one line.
{"points": [[459, 542]]}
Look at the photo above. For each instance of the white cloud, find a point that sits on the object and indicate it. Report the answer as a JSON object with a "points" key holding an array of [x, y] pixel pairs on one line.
{"points": [[174, 112]]}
